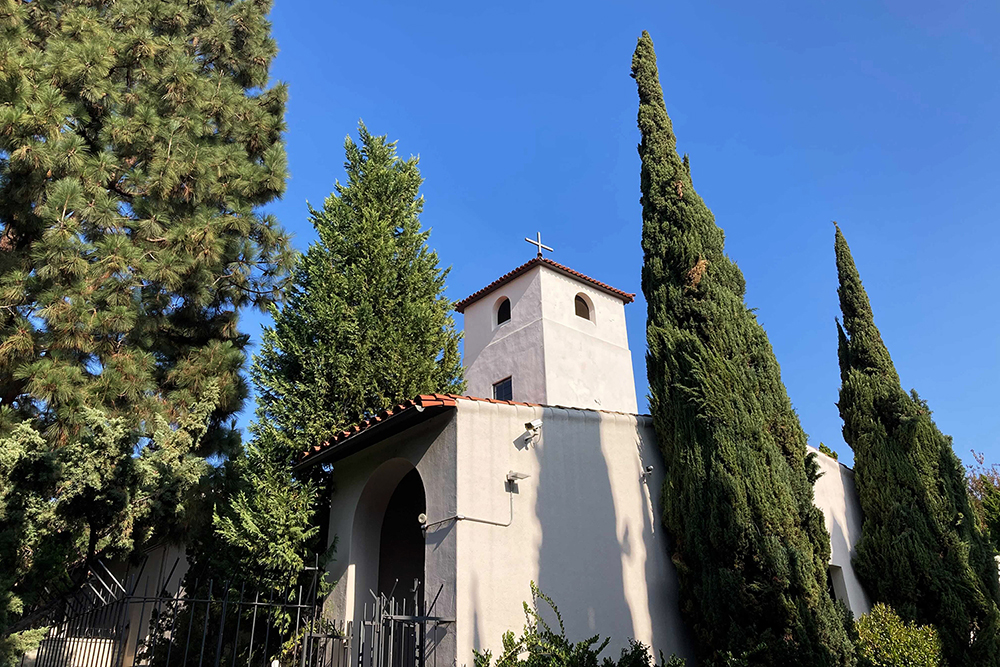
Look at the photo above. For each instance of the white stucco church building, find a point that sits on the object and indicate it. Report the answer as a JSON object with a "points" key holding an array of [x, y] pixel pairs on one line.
{"points": [[544, 472]]}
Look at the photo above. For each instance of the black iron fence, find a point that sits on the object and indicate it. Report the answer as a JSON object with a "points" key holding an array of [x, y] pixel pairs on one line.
{"points": [[210, 623], [110, 622]]}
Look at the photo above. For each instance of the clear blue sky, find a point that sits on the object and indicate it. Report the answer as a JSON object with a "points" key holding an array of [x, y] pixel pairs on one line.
{"points": [[880, 115]]}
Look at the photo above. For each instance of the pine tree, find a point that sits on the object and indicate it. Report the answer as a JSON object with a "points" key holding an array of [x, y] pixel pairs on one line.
{"points": [[366, 324], [750, 548], [921, 549], [138, 139]]}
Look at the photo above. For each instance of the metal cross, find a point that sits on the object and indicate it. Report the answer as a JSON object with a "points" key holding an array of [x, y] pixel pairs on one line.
{"points": [[538, 242]]}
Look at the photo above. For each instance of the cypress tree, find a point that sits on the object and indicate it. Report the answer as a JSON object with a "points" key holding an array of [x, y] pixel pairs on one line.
{"points": [[921, 549], [750, 548], [138, 139], [366, 324]]}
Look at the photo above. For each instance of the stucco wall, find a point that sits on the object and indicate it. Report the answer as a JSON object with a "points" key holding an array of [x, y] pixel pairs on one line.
{"points": [[553, 356], [836, 496], [513, 349], [585, 527], [364, 483], [587, 362]]}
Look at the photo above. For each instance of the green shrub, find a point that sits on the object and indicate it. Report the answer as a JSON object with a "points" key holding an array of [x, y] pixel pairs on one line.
{"points": [[885, 640], [829, 452], [542, 646]]}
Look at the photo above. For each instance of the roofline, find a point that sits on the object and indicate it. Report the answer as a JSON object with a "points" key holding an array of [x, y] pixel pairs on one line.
{"points": [[397, 419], [626, 297]]}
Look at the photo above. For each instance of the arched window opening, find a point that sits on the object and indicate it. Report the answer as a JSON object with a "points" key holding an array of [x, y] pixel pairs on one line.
{"points": [[503, 311], [582, 307]]}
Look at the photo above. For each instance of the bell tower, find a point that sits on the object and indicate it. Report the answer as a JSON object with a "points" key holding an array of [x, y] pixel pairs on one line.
{"points": [[547, 334]]}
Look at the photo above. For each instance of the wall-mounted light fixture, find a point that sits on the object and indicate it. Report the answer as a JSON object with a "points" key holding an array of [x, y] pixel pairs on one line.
{"points": [[647, 471], [512, 478]]}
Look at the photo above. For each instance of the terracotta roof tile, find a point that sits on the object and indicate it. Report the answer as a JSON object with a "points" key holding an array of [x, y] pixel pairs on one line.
{"points": [[421, 403], [538, 261]]}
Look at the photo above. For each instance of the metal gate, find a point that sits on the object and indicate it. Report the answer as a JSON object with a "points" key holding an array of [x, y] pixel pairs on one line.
{"points": [[393, 633]]}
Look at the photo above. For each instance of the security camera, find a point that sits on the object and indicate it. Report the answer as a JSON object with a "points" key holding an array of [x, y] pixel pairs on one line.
{"points": [[421, 518], [533, 425], [649, 470]]}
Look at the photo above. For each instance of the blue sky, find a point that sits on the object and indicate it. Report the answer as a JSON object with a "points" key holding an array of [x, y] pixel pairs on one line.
{"points": [[880, 115]]}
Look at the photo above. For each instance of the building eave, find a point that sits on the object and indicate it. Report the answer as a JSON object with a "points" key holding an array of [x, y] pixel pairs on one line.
{"points": [[399, 418], [626, 297]]}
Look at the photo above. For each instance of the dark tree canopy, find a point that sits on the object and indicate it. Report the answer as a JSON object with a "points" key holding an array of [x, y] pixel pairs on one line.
{"points": [[366, 324], [750, 547], [921, 549], [138, 139]]}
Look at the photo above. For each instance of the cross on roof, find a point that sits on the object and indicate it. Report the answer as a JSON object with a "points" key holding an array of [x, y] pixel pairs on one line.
{"points": [[538, 242]]}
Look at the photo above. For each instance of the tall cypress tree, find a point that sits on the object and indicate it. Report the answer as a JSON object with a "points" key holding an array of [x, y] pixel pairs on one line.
{"points": [[138, 139], [366, 324], [750, 548], [921, 549]]}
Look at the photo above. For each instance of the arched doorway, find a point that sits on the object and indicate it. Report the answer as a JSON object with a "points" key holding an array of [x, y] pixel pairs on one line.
{"points": [[401, 544]]}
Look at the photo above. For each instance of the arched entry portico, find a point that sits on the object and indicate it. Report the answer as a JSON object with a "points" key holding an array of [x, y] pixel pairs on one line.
{"points": [[387, 543]]}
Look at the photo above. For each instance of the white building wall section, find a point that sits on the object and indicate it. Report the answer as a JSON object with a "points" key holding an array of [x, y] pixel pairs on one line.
{"points": [[585, 372], [552, 356], [559, 292], [584, 526], [836, 496], [587, 362], [513, 349], [364, 482]]}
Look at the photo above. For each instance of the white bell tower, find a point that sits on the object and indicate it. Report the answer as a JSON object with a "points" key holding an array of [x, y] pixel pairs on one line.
{"points": [[544, 333]]}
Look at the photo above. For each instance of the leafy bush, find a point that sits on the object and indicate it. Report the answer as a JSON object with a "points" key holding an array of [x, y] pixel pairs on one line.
{"points": [[545, 647], [885, 640]]}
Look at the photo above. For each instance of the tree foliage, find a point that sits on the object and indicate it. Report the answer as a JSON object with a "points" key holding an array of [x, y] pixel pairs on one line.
{"points": [[884, 640], [138, 140], [366, 324], [984, 489], [750, 548], [921, 550], [269, 523]]}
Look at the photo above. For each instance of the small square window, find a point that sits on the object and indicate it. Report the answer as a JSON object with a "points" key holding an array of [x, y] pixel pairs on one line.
{"points": [[503, 390]]}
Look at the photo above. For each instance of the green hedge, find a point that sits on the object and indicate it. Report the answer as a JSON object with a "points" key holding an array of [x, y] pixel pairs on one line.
{"points": [[885, 640]]}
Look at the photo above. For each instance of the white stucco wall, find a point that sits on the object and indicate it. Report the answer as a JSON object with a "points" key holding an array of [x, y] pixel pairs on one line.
{"points": [[585, 527], [836, 496], [364, 484], [514, 349], [587, 362], [553, 356]]}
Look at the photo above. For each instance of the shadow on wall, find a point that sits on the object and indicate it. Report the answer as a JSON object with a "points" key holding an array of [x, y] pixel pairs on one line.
{"points": [[671, 634], [584, 554]]}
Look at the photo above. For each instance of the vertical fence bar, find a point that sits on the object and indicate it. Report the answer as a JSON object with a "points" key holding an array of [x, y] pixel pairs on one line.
{"points": [[222, 625], [139, 625], [239, 619], [267, 629], [191, 607], [173, 624], [204, 629], [253, 627]]}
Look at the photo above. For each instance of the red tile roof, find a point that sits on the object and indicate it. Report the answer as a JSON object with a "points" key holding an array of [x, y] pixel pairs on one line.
{"points": [[419, 404], [504, 279]]}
